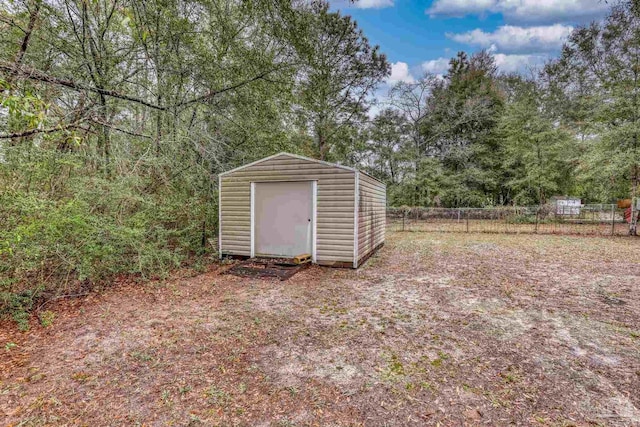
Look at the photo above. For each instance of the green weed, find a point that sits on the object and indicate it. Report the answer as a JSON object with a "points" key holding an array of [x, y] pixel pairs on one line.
{"points": [[46, 318], [217, 396]]}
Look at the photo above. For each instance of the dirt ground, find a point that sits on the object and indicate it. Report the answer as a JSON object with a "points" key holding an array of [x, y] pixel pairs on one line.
{"points": [[436, 329]]}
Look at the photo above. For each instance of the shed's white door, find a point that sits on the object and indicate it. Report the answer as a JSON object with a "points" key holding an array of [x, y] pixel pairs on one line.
{"points": [[283, 215]]}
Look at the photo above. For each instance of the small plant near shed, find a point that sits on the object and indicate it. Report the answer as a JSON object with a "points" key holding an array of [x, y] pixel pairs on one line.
{"points": [[286, 422], [437, 362], [194, 420], [81, 376], [35, 376], [17, 305], [166, 397], [511, 375], [509, 378], [427, 386], [507, 289], [141, 356], [542, 420], [199, 266], [217, 396], [395, 368], [46, 318]]}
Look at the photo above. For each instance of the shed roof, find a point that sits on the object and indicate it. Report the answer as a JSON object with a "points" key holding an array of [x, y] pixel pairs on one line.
{"points": [[296, 156]]}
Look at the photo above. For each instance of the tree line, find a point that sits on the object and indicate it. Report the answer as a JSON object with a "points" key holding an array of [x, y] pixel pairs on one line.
{"points": [[478, 138], [116, 117]]}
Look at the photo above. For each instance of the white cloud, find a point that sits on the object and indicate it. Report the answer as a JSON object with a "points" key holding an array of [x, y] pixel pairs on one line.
{"points": [[436, 66], [375, 109], [372, 4], [518, 63], [459, 8], [523, 10], [505, 63], [509, 38], [400, 73]]}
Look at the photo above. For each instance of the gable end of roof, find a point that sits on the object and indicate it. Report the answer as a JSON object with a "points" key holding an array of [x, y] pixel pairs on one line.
{"points": [[294, 156]]}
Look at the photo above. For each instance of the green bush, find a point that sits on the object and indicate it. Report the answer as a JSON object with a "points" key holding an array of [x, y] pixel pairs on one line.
{"points": [[100, 229]]}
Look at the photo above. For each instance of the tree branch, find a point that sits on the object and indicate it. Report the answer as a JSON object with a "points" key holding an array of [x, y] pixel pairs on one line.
{"points": [[57, 128], [128, 132], [33, 74], [214, 93]]}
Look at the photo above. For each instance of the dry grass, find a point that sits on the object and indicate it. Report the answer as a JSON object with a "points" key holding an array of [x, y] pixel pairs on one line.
{"points": [[437, 328], [566, 227]]}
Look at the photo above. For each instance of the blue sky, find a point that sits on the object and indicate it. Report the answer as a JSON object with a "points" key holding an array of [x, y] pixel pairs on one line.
{"points": [[419, 36]]}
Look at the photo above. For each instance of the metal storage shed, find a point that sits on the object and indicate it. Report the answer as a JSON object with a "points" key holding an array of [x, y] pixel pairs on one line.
{"points": [[286, 205]]}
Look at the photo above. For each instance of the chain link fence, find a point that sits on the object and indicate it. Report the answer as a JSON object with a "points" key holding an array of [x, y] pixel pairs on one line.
{"points": [[597, 220]]}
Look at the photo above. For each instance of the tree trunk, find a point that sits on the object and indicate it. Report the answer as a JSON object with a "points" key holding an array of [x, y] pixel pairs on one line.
{"points": [[104, 137], [322, 145], [635, 179], [33, 16], [27, 34], [159, 86]]}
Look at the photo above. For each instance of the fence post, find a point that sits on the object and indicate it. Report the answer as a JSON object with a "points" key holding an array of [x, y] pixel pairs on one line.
{"points": [[467, 218], [613, 219], [404, 215], [537, 218]]}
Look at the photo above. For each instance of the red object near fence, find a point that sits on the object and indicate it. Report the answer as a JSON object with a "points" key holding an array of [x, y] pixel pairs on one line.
{"points": [[627, 215]]}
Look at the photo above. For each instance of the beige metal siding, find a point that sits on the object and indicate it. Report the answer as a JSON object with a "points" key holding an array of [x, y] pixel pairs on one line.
{"points": [[335, 205], [371, 214]]}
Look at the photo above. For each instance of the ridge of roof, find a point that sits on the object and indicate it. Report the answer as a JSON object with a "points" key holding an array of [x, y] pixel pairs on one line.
{"points": [[295, 156]]}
